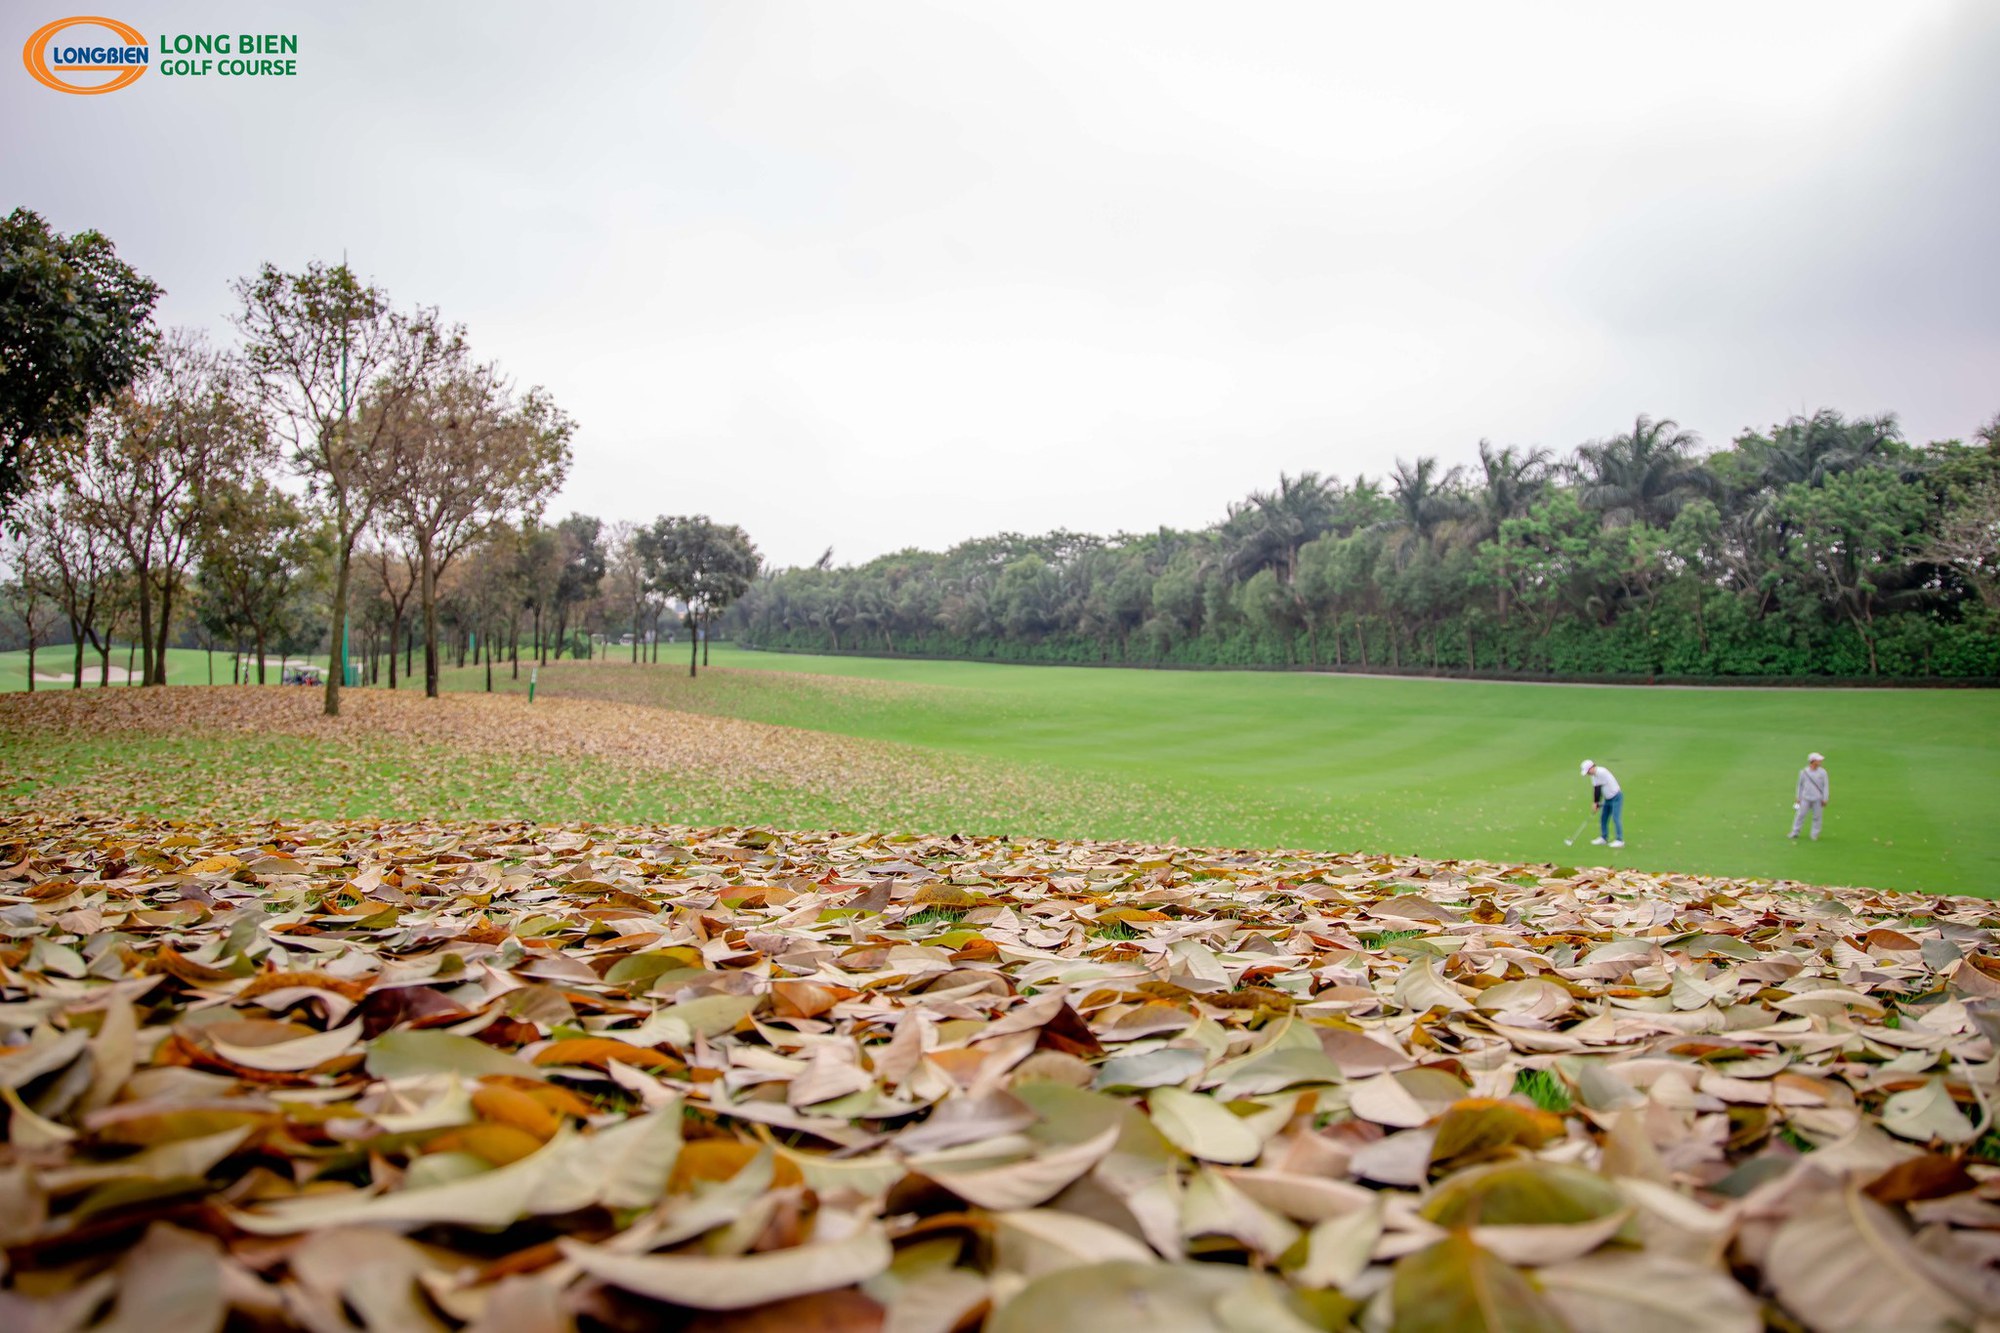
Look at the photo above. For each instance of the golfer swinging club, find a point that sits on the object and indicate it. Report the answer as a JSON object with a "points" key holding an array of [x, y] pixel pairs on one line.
{"points": [[1812, 796], [1609, 799]]}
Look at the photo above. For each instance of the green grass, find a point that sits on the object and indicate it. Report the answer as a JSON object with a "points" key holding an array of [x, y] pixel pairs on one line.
{"points": [[185, 666], [1435, 768], [1243, 759], [1543, 1089]]}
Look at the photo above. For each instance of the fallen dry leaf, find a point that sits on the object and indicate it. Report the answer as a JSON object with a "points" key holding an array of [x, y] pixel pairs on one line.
{"points": [[545, 1077]]}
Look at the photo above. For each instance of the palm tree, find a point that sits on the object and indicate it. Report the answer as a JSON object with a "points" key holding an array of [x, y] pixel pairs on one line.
{"points": [[1426, 501], [1808, 450], [1267, 530], [1644, 476], [1514, 479]]}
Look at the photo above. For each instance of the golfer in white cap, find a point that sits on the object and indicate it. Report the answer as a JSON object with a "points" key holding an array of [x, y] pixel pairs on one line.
{"points": [[1609, 799], [1813, 795]]}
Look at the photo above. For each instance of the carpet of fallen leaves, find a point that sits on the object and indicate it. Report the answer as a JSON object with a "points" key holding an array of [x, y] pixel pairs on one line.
{"points": [[480, 755], [721, 747], [522, 1079]]}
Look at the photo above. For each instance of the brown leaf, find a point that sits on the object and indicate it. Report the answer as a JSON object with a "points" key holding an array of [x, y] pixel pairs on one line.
{"points": [[1479, 1129], [1931, 1176], [597, 1052]]}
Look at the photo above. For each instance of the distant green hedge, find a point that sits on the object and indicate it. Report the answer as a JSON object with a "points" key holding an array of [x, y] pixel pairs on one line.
{"points": [[1738, 648]]}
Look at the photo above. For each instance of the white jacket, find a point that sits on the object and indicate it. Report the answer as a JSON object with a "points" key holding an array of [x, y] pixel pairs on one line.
{"points": [[1814, 785]]}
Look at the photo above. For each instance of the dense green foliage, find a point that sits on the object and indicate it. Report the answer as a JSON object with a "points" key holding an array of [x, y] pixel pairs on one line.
{"points": [[1821, 549], [74, 327]]}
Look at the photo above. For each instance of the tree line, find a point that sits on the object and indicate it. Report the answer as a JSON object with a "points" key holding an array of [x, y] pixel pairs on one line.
{"points": [[346, 474], [1825, 546]]}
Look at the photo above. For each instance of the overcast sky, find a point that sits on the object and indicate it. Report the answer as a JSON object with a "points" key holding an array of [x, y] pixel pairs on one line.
{"points": [[873, 275]]}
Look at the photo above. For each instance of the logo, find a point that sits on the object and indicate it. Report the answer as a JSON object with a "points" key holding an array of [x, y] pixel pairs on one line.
{"points": [[75, 55], [90, 55]]}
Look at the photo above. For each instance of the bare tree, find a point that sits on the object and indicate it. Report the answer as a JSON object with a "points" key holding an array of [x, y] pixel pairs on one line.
{"points": [[24, 553], [1967, 539], [315, 342], [148, 466], [626, 577], [394, 565], [82, 569], [469, 455], [489, 589], [256, 556]]}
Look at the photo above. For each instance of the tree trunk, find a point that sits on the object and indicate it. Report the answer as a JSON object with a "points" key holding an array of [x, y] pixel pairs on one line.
{"points": [[427, 572], [166, 623], [76, 637], [131, 651], [514, 642], [260, 654], [707, 624], [694, 646], [31, 660], [336, 653], [145, 582]]}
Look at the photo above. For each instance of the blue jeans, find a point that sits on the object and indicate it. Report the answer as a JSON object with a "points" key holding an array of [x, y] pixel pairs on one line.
{"points": [[1610, 814]]}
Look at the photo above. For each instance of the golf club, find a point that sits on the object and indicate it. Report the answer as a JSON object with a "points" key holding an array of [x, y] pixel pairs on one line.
{"points": [[1570, 841]]}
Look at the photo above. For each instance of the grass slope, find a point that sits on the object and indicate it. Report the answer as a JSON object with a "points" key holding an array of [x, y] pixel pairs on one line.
{"points": [[1435, 768]]}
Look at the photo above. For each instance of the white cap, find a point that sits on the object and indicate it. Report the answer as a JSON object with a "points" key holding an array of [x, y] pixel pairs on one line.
{"points": [[1815, 755], [1587, 766]]}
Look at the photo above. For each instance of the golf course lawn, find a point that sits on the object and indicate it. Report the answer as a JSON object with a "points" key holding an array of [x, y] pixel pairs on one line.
{"points": [[185, 666], [1429, 767], [1221, 758]]}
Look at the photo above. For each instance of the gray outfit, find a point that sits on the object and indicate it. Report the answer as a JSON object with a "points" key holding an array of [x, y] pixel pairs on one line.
{"points": [[1815, 789]]}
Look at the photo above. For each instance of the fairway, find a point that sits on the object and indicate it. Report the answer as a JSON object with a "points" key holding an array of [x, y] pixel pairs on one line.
{"points": [[185, 666], [1430, 767], [1239, 759]]}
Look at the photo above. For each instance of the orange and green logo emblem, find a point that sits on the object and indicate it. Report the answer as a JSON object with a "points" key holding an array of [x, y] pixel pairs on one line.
{"points": [[87, 55]]}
